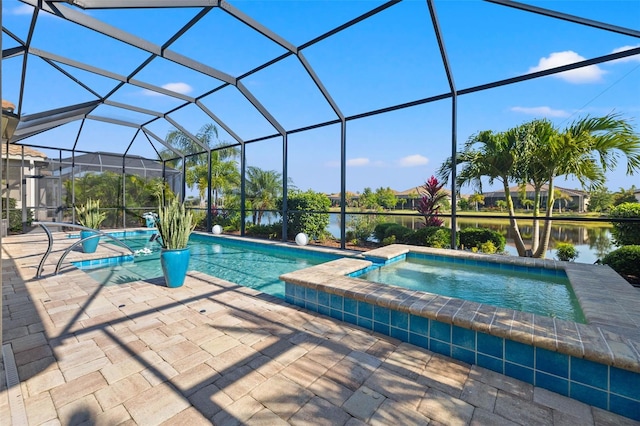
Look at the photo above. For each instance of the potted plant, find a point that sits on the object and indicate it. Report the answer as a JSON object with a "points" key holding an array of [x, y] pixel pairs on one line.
{"points": [[174, 225], [90, 216]]}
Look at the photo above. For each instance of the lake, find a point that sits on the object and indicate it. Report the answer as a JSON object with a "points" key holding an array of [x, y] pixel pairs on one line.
{"points": [[591, 239]]}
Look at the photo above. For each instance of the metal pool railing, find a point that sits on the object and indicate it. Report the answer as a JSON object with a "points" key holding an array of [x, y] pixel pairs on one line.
{"points": [[96, 234]]}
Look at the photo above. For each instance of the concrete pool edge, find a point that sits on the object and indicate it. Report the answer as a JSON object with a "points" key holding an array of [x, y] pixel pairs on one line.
{"points": [[608, 345]]}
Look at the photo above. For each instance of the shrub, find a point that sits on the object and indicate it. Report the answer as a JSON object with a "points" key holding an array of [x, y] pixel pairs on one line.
{"points": [[363, 226], [199, 218], [431, 236], [302, 217], [389, 240], [475, 237], [566, 252], [15, 215], [399, 231], [380, 231], [488, 247], [625, 260], [431, 202], [271, 232], [626, 233]]}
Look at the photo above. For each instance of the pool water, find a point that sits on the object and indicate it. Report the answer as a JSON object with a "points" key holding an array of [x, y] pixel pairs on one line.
{"points": [[248, 264], [547, 295]]}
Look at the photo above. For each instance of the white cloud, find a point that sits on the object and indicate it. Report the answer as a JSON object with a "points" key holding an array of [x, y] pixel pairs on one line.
{"points": [[179, 87], [413, 161], [358, 162], [543, 111], [634, 58], [589, 74], [23, 9]]}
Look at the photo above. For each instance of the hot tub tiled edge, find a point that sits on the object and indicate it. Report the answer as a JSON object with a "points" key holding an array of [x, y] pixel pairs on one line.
{"points": [[591, 363]]}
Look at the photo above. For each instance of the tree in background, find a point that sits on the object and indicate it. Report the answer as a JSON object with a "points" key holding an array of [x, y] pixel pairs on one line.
{"points": [[501, 204], [476, 199], [107, 187], [302, 216], [430, 203], [225, 175], [368, 200], [263, 189], [625, 196], [386, 198], [562, 196], [600, 200]]}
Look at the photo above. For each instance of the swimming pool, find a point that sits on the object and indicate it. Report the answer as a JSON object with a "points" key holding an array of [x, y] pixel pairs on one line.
{"points": [[534, 290], [248, 264]]}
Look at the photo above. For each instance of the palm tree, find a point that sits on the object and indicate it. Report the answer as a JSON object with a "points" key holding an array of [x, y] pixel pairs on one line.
{"points": [[224, 168], [476, 199], [586, 150], [494, 156], [561, 196], [263, 188]]}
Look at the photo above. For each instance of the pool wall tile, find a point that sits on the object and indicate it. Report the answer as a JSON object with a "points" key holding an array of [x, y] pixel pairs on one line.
{"points": [[552, 383], [519, 372], [552, 362], [491, 363], [419, 325], [324, 299], [589, 395], [381, 315], [464, 355], [440, 347], [336, 302], [625, 383], [311, 295], [350, 318], [419, 340], [519, 353], [589, 373], [625, 406], [379, 327], [463, 337], [400, 334], [350, 306], [490, 345], [440, 331], [365, 310], [400, 320], [324, 310]]}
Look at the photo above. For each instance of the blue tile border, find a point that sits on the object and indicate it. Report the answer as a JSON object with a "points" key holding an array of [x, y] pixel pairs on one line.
{"points": [[601, 385]]}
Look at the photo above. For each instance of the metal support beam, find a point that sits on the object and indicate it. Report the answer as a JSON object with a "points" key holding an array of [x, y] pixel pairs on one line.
{"points": [[343, 184], [454, 117], [566, 17], [285, 186]]}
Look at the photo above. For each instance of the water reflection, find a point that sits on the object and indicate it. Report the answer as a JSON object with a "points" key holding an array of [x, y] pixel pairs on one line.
{"points": [[593, 240]]}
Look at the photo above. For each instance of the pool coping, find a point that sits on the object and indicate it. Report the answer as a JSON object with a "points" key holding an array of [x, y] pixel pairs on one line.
{"points": [[611, 336]]}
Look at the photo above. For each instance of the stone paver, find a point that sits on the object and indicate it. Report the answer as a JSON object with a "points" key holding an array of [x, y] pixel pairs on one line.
{"points": [[214, 352]]}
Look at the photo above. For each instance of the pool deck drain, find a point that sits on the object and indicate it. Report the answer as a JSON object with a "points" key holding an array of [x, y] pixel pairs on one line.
{"points": [[248, 358]]}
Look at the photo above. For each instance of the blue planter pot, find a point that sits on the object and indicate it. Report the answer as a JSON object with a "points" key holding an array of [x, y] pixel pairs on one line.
{"points": [[151, 223], [174, 266], [91, 245]]}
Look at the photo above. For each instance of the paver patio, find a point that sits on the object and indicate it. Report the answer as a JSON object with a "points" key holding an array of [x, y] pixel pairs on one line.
{"points": [[215, 352]]}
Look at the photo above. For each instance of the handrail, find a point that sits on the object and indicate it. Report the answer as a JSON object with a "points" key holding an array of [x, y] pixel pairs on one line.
{"points": [[96, 234]]}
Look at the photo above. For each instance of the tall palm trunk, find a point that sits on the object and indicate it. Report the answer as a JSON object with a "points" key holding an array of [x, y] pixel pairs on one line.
{"points": [[517, 237], [535, 236], [546, 232]]}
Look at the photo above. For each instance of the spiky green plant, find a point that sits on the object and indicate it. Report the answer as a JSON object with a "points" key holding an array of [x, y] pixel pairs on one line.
{"points": [[175, 224], [89, 214]]}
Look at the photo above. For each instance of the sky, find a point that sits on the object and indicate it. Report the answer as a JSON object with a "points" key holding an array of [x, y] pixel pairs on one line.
{"points": [[389, 59]]}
